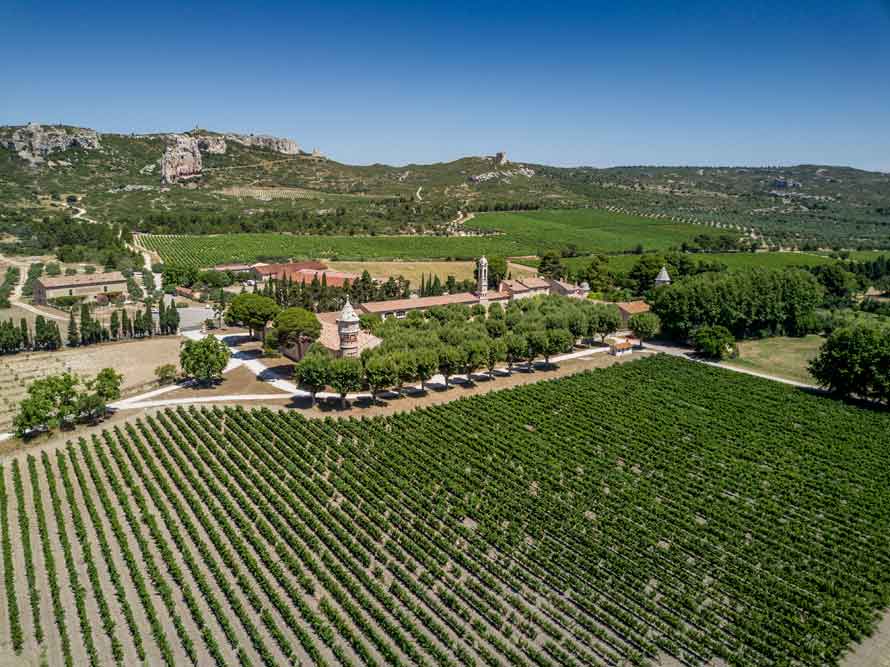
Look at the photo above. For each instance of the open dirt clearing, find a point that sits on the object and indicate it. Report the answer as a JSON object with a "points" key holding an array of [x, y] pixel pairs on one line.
{"points": [[414, 270]]}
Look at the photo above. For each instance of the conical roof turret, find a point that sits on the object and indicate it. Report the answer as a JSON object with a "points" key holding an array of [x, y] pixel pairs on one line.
{"points": [[348, 313]]}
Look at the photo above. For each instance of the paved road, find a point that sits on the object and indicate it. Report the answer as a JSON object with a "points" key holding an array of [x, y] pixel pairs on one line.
{"points": [[251, 361]]}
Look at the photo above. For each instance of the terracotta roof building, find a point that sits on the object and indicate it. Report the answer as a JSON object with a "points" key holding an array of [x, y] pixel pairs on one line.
{"points": [[400, 307], [289, 270], [630, 308], [341, 333], [330, 333], [331, 278], [524, 288], [620, 348], [87, 285]]}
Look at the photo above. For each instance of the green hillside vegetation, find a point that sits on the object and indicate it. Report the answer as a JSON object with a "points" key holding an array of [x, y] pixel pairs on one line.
{"points": [[804, 206]]}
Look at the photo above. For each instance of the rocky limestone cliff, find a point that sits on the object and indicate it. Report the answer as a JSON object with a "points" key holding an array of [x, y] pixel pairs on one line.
{"points": [[212, 145], [277, 144], [182, 159], [34, 142]]}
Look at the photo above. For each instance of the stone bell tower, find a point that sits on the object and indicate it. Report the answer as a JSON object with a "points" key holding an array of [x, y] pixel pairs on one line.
{"points": [[482, 279], [348, 329]]}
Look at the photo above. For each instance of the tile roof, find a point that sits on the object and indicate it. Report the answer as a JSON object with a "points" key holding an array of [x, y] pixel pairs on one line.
{"points": [[513, 286], [281, 270], [81, 279], [422, 302], [535, 283], [332, 278], [633, 307]]}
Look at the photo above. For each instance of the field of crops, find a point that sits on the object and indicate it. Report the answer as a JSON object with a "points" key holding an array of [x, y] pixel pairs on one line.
{"points": [[589, 230], [704, 515], [518, 234]]}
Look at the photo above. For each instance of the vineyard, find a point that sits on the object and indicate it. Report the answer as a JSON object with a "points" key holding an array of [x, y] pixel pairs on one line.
{"points": [[704, 515], [503, 234]]}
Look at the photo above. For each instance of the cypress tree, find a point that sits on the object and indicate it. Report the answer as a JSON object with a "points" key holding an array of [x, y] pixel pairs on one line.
{"points": [[86, 328], [172, 320], [26, 336], [55, 339], [41, 335], [147, 320], [115, 325], [73, 335], [162, 317]]}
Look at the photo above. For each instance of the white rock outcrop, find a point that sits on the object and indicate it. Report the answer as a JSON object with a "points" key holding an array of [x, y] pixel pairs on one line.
{"points": [[34, 142], [276, 144], [182, 159], [212, 145]]}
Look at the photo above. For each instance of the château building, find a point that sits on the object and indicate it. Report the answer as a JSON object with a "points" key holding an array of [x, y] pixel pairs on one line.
{"points": [[342, 333]]}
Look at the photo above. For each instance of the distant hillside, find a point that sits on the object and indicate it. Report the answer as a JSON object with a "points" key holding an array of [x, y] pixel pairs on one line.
{"points": [[163, 179]]}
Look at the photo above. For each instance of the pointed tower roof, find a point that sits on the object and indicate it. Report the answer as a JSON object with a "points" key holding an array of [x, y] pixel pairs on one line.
{"points": [[348, 313], [482, 260], [662, 276]]}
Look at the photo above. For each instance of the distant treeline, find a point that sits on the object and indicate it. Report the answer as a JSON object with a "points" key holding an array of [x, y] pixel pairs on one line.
{"points": [[72, 241], [381, 217]]}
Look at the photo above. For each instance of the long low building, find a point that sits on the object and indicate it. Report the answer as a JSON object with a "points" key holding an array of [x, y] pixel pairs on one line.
{"points": [[290, 270], [399, 308], [86, 285]]}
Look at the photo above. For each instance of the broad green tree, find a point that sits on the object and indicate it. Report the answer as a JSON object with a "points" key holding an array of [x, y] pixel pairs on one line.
{"points": [[380, 372], [295, 327], [558, 341], [475, 353], [714, 342], [313, 372], [204, 360], [254, 311], [645, 325], [517, 349], [346, 376], [451, 359], [855, 361], [427, 361], [496, 352], [551, 266]]}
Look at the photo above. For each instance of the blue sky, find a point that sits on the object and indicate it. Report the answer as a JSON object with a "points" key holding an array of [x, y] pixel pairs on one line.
{"points": [[567, 83]]}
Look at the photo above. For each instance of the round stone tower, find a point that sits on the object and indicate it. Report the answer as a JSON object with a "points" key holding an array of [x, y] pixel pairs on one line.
{"points": [[348, 329], [482, 279]]}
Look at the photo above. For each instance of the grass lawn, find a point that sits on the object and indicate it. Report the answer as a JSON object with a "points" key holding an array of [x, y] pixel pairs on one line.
{"points": [[785, 357]]}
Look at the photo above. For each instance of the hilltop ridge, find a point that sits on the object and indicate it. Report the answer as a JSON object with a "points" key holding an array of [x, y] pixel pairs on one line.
{"points": [[202, 172]]}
